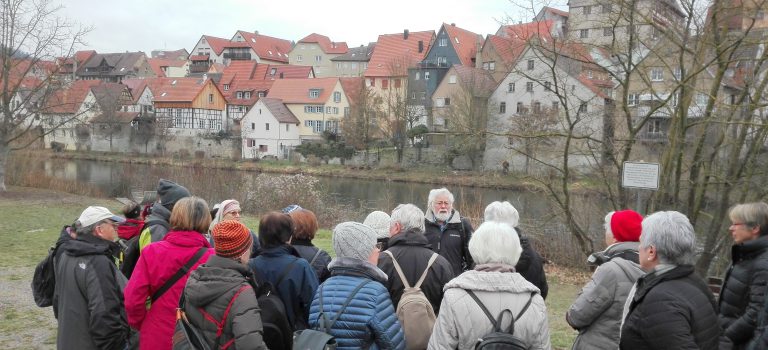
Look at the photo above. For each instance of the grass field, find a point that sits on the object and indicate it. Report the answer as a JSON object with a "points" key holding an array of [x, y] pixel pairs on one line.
{"points": [[30, 221]]}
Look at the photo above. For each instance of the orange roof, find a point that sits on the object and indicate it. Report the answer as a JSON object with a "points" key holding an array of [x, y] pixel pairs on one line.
{"points": [[68, 100], [326, 44], [157, 65], [136, 87], [464, 42], [509, 50], [555, 11], [297, 90], [82, 56], [394, 54], [216, 44], [238, 69], [280, 111], [176, 89], [525, 31], [253, 86], [272, 72], [267, 47], [477, 81], [352, 88]]}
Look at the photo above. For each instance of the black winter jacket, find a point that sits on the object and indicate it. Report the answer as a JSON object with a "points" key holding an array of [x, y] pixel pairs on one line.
{"points": [[211, 287], [743, 293], [307, 251], [531, 265], [674, 310], [411, 250], [159, 213], [450, 240], [88, 299]]}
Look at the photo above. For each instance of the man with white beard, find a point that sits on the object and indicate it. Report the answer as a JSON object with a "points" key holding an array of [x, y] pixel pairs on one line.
{"points": [[447, 232]]}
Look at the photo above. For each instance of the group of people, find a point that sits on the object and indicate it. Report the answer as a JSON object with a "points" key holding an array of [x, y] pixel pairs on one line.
{"points": [[408, 279]]}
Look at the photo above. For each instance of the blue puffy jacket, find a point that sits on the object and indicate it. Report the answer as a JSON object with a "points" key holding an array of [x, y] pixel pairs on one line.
{"points": [[369, 320]]}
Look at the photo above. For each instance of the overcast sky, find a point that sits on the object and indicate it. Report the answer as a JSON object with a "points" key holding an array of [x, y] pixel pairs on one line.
{"points": [[146, 25]]}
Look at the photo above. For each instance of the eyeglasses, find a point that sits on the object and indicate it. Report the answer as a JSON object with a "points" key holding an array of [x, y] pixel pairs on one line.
{"points": [[739, 224], [111, 223]]}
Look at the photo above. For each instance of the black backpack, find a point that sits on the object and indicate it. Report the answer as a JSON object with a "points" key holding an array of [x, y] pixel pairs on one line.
{"points": [[44, 280], [498, 338], [278, 333], [132, 249]]}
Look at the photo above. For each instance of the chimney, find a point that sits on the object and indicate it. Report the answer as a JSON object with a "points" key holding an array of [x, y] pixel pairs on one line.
{"points": [[453, 24], [281, 75], [256, 32], [405, 34], [421, 46]]}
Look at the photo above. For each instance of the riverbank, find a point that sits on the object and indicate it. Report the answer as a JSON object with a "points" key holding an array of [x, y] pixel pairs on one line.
{"points": [[426, 175], [30, 221]]}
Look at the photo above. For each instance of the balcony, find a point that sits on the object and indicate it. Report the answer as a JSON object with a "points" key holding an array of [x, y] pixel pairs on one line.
{"points": [[432, 64], [198, 68], [238, 56]]}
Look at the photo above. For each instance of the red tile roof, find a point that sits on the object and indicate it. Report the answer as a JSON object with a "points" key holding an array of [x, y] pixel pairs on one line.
{"points": [[352, 88], [555, 11], [199, 58], [69, 99], [529, 30], [238, 69], [82, 56], [280, 111], [136, 87], [464, 42], [394, 54], [265, 72], [477, 81], [253, 86], [326, 44], [176, 89], [508, 50], [217, 44], [297, 90], [157, 65], [267, 47]]}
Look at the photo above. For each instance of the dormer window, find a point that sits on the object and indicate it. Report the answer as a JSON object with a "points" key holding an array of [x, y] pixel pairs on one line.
{"points": [[273, 71], [314, 93], [226, 87], [239, 94], [247, 94]]}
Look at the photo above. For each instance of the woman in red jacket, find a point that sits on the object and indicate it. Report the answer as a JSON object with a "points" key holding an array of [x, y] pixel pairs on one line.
{"points": [[185, 245], [133, 221]]}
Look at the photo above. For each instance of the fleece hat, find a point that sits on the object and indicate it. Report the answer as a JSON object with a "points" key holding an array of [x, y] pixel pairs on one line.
{"points": [[379, 221], [170, 192], [626, 225], [353, 240], [231, 239], [93, 214]]}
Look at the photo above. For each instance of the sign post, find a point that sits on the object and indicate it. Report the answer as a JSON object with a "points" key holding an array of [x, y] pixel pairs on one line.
{"points": [[641, 176]]}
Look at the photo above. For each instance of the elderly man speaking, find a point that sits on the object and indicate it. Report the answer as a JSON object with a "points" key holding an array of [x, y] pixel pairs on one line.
{"points": [[447, 231]]}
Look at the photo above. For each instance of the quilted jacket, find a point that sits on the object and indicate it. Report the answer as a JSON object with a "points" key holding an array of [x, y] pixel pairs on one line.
{"points": [[370, 320]]}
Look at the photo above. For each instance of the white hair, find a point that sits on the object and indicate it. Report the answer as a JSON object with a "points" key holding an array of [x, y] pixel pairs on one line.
{"points": [[672, 235], [502, 212], [409, 216], [495, 242], [607, 225], [438, 192]]}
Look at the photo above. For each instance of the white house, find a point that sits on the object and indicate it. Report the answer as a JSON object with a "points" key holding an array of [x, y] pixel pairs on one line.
{"points": [[269, 129], [544, 94]]}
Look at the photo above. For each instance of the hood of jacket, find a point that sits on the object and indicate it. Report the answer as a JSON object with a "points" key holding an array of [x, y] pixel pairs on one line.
{"points": [[159, 212], [90, 245], [187, 239], [453, 219], [411, 237], [354, 267], [214, 278], [621, 246], [492, 282]]}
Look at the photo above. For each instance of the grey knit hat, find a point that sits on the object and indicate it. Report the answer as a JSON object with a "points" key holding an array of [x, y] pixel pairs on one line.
{"points": [[170, 192], [379, 221], [353, 240]]}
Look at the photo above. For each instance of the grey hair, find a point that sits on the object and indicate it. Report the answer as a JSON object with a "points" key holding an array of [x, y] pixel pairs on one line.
{"points": [[85, 230], [408, 215], [495, 242], [752, 215], [671, 233], [439, 192], [607, 224], [502, 212]]}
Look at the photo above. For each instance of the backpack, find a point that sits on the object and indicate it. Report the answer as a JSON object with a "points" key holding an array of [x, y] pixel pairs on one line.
{"points": [[132, 250], [321, 338], [44, 280], [277, 330], [414, 309], [498, 338], [187, 336]]}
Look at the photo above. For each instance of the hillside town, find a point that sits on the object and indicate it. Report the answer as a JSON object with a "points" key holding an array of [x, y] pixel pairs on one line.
{"points": [[496, 101]]}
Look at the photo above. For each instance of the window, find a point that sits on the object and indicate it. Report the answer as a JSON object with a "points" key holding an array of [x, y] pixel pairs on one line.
{"points": [[273, 71], [443, 42], [318, 58], [529, 86], [346, 111], [530, 64], [417, 76], [519, 108], [590, 74], [511, 87], [548, 86], [485, 65], [701, 99], [226, 87], [251, 143], [677, 73], [503, 107], [439, 102], [555, 105], [442, 61], [584, 33], [587, 10], [583, 107], [337, 96], [314, 93], [263, 148], [328, 110], [210, 98], [266, 127], [239, 95], [373, 81], [397, 83], [413, 95], [452, 79], [423, 95], [607, 8], [654, 126], [253, 126], [657, 74], [447, 101], [385, 84], [537, 107], [633, 99], [299, 58], [492, 65], [246, 95], [287, 127], [426, 75]]}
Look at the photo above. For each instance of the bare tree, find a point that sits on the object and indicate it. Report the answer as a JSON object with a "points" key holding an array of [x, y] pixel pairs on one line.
{"points": [[32, 36], [360, 127]]}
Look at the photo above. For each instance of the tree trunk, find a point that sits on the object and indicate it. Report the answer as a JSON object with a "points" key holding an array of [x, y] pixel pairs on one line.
{"points": [[5, 152]]}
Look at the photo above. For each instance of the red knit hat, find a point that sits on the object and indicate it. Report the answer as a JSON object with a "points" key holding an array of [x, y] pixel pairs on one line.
{"points": [[626, 225], [231, 239]]}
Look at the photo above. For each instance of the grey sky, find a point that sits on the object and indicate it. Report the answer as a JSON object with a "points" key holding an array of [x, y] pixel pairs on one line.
{"points": [[144, 25]]}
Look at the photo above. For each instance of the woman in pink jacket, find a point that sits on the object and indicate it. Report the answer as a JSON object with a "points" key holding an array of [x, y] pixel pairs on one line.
{"points": [[183, 246]]}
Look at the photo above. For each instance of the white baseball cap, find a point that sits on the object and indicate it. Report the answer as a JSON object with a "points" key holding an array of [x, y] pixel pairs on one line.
{"points": [[94, 214]]}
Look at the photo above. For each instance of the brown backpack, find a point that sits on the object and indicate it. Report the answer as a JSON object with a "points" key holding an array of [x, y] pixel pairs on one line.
{"points": [[414, 309]]}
